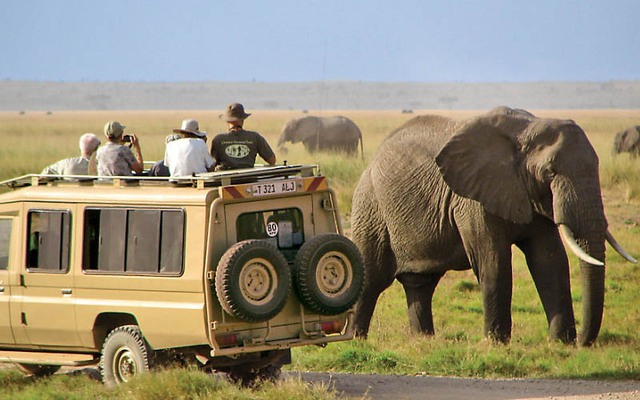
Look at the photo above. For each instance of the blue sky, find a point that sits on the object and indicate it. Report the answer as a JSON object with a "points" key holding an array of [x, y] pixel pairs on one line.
{"points": [[294, 41]]}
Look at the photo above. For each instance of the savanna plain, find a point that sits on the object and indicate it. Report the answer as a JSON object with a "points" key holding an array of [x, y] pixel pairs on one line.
{"points": [[32, 140]]}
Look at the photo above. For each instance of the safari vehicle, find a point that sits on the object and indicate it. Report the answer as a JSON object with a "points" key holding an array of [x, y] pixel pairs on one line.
{"points": [[229, 270]]}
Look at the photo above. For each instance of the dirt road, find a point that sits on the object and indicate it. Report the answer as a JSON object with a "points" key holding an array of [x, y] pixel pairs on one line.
{"points": [[389, 387], [400, 387]]}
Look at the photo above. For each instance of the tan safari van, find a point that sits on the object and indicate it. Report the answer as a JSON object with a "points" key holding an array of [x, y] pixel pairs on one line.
{"points": [[229, 270]]}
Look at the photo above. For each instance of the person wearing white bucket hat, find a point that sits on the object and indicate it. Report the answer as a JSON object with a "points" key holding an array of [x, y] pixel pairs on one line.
{"points": [[189, 154]]}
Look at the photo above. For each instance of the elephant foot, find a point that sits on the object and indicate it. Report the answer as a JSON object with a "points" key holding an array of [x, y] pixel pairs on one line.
{"points": [[564, 335], [361, 334], [499, 338]]}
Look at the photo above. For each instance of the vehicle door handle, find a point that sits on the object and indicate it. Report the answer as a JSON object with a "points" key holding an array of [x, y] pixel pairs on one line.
{"points": [[66, 291]]}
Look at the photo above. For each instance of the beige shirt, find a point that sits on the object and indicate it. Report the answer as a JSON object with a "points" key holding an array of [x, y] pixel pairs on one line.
{"points": [[68, 166]]}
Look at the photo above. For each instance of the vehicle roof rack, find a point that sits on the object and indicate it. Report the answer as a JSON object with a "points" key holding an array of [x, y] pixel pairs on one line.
{"points": [[208, 179]]}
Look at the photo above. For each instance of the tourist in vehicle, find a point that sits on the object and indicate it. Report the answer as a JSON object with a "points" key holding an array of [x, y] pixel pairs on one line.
{"points": [[238, 148], [188, 155], [115, 158], [83, 165], [159, 168]]}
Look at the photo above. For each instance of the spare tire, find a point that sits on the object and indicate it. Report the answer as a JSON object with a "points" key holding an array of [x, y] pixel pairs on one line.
{"points": [[253, 281], [328, 275]]}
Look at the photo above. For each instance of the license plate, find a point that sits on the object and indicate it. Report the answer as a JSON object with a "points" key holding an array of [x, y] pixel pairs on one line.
{"points": [[265, 189]]}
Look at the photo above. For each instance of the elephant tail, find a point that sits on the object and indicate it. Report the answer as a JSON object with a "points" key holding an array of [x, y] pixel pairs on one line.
{"points": [[361, 147]]}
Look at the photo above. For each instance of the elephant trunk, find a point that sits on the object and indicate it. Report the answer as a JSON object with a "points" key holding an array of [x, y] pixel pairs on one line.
{"points": [[592, 302], [593, 273], [281, 140], [593, 278], [582, 223]]}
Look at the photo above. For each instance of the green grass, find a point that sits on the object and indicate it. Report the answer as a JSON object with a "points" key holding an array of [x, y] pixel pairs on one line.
{"points": [[165, 384], [30, 142]]}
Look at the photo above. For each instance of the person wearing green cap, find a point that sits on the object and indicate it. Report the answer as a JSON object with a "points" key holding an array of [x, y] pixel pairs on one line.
{"points": [[115, 158]]}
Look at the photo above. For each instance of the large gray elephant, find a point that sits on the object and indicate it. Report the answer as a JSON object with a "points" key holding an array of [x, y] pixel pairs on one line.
{"points": [[628, 141], [322, 133], [445, 195]]}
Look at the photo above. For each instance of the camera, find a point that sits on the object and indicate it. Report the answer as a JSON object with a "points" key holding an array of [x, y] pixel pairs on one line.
{"points": [[126, 138]]}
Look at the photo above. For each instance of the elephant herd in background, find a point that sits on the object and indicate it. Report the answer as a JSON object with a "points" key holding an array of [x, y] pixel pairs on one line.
{"points": [[322, 134], [628, 141], [442, 194]]}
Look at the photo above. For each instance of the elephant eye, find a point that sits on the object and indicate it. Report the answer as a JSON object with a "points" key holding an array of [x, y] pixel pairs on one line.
{"points": [[549, 172]]}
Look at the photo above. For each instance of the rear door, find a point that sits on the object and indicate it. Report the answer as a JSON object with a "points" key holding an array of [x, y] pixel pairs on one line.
{"points": [[285, 223]]}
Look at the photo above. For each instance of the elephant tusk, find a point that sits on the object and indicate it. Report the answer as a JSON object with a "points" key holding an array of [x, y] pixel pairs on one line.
{"points": [[616, 246], [569, 239]]}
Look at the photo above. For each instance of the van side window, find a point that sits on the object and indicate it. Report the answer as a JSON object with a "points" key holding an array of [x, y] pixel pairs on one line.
{"points": [[5, 242], [283, 228], [48, 240], [137, 241]]}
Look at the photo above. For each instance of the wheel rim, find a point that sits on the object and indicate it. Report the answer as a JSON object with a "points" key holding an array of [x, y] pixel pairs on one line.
{"points": [[334, 274], [124, 364], [258, 280]]}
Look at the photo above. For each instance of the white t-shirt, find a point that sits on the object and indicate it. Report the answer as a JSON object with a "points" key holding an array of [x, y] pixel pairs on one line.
{"points": [[187, 156]]}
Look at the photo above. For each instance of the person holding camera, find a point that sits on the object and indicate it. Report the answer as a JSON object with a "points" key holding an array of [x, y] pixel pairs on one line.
{"points": [[115, 158]]}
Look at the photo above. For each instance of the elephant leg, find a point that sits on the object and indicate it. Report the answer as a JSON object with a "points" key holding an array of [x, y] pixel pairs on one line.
{"points": [[496, 281], [488, 250], [419, 290], [384, 265], [370, 235], [549, 267], [366, 305]]}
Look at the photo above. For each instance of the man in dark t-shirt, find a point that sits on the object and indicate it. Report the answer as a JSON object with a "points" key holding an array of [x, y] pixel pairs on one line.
{"points": [[238, 148]]}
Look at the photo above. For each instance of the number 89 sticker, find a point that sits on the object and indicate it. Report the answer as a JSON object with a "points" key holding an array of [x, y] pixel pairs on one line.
{"points": [[272, 229]]}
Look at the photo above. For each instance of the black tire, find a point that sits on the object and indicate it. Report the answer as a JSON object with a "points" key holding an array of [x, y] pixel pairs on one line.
{"points": [[125, 353], [329, 274], [38, 370], [253, 281]]}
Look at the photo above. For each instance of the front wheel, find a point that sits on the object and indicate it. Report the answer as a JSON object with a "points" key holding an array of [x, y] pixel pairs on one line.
{"points": [[125, 353]]}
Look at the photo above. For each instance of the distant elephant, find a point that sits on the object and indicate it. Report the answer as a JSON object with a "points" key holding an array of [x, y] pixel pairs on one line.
{"points": [[322, 133], [444, 195], [628, 141]]}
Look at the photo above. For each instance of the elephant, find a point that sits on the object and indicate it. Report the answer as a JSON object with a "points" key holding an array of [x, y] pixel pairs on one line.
{"points": [[628, 141], [322, 133], [443, 195]]}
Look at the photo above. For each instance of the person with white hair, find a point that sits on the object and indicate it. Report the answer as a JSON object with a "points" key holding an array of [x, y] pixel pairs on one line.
{"points": [[77, 165]]}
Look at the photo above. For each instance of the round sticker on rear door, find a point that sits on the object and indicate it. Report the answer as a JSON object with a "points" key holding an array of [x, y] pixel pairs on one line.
{"points": [[272, 229]]}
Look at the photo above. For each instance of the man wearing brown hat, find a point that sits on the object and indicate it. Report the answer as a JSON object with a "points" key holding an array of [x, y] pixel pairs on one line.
{"points": [[238, 148]]}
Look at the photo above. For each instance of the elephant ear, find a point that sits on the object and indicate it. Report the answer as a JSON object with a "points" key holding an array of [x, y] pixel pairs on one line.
{"points": [[479, 162]]}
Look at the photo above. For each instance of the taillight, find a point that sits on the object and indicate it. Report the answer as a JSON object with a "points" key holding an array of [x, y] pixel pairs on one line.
{"points": [[228, 340], [329, 327]]}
